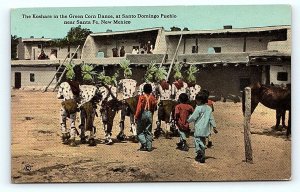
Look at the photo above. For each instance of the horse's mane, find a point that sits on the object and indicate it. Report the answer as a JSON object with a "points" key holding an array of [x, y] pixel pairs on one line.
{"points": [[269, 88], [275, 87]]}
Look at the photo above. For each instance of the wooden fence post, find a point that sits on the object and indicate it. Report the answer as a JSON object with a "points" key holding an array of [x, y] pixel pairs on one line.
{"points": [[247, 134]]}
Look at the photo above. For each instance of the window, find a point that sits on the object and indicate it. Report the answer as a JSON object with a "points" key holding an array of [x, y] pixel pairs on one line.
{"points": [[54, 52], [39, 46], [217, 49], [211, 50], [244, 82], [75, 55], [195, 49], [282, 76], [32, 77]]}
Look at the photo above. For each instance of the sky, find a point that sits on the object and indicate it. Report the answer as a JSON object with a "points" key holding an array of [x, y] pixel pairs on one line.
{"points": [[193, 17]]}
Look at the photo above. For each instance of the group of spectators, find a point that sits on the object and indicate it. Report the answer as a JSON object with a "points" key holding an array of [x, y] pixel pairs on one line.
{"points": [[43, 56], [143, 49]]}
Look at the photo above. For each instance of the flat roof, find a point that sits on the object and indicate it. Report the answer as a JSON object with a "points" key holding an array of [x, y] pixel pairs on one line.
{"points": [[38, 63], [36, 39], [233, 30], [269, 54], [125, 32]]}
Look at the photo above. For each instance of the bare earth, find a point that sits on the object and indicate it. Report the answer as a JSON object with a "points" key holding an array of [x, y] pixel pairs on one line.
{"points": [[39, 156]]}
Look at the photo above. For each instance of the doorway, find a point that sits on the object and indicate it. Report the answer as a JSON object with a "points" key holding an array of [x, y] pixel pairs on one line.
{"points": [[244, 82], [17, 80]]}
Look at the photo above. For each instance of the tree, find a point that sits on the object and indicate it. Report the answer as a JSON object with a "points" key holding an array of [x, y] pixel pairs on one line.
{"points": [[14, 44], [75, 36], [175, 28]]}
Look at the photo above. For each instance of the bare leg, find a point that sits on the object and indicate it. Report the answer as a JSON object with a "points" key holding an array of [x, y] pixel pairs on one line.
{"points": [[64, 131], [133, 127], [73, 131], [107, 119], [63, 119], [93, 129], [158, 131], [167, 130], [82, 127], [121, 136], [289, 131]]}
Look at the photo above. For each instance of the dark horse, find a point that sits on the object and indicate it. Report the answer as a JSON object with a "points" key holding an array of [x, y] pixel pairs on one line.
{"points": [[277, 98]]}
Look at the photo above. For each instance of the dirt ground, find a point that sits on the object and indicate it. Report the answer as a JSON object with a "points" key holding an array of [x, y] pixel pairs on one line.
{"points": [[38, 155]]}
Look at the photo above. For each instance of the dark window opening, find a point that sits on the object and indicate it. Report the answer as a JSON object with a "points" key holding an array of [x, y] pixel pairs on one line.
{"points": [[39, 46], [217, 49], [17, 80], [282, 76], [195, 49], [244, 82], [75, 55], [32, 79], [227, 26], [54, 52]]}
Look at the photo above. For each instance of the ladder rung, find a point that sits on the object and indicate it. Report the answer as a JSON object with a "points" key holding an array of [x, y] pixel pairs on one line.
{"points": [[62, 72]]}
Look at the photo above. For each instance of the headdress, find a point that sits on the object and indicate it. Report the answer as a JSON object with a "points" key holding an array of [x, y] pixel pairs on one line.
{"points": [[124, 64], [70, 71], [161, 74], [177, 70], [151, 71], [191, 78], [87, 72], [108, 80]]}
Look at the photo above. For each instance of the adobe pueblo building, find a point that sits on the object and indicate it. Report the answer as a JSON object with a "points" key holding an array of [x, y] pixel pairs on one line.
{"points": [[228, 59]]}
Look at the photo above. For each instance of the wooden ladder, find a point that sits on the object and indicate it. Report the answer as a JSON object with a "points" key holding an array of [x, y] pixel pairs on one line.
{"points": [[175, 54], [164, 58], [61, 70]]}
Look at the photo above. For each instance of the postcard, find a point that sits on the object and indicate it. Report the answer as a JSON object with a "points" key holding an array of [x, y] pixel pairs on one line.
{"points": [[151, 94]]}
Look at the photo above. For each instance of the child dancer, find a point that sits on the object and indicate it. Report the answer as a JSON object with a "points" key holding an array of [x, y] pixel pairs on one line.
{"points": [[204, 119], [211, 104], [143, 116], [182, 112]]}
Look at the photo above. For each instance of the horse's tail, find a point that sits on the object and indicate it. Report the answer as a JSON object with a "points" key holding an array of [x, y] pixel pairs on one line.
{"points": [[243, 102]]}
